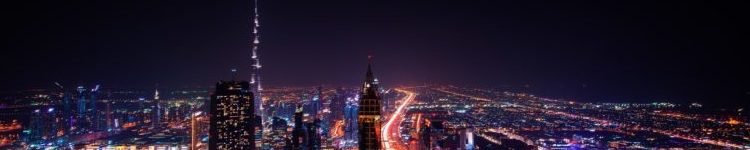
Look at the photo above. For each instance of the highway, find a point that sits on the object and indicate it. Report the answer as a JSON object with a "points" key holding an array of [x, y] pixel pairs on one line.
{"points": [[391, 136]]}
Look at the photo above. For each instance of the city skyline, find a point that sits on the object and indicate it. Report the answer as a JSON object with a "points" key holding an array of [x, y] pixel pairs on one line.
{"points": [[450, 75]]}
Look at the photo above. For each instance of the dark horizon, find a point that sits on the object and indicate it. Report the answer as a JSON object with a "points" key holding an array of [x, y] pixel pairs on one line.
{"points": [[680, 51]]}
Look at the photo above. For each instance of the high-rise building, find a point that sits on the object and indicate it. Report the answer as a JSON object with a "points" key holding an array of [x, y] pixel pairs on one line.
{"points": [[194, 129], [467, 138], [67, 111], [94, 117], [425, 142], [369, 112], [278, 134], [338, 102], [87, 114], [298, 133], [255, 72], [42, 125], [316, 103], [255, 60], [305, 134], [156, 123], [350, 122], [80, 121], [313, 138], [232, 117], [109, 115]]}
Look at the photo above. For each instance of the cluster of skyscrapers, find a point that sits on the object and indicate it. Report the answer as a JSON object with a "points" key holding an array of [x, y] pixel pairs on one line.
{"points": [[233, 121], [238, 119], [89, 113], [76, 114]]}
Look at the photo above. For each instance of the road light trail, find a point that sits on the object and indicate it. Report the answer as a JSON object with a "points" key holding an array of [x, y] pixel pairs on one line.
{"points": [[386, 136], [338, 129]]}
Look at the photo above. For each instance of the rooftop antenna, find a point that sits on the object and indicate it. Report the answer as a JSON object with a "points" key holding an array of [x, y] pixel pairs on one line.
{"points": [[234, 74]]}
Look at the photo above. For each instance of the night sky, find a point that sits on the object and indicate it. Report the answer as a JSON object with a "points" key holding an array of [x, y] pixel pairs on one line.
{"points": [[588, 50]]}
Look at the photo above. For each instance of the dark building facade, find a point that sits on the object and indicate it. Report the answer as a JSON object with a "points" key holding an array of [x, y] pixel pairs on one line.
{"points": [[350, 121], [368, 116], [338, 102], [299, 132], [232, 117], [313, 138]]}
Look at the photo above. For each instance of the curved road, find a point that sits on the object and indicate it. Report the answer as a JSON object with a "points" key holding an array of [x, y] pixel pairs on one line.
{"points": [[391, 136]]}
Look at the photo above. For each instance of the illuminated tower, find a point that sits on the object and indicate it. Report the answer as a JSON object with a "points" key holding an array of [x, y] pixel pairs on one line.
{"points": [[94, 117], [255, 61], [350, 121], [368, 116], [81, 112], [317, 101], [194, 118], [156, 122], [67, 114], [36, 126], [232, 117]]}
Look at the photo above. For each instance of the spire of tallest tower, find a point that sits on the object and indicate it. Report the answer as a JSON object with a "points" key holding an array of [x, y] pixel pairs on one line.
{"points": [[254, 44]]}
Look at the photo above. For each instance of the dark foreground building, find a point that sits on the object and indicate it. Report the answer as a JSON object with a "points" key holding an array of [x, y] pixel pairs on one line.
{"points": [[299, 133], [232, 117], [369, 113]]}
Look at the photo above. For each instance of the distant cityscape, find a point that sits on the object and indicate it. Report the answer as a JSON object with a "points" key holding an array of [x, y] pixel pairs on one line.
{"points": [[418, 117]]}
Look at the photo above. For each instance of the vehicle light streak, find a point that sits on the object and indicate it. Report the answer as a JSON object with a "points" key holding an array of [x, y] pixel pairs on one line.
{"points": [[338, 129], [464, 95], [398, 114]]}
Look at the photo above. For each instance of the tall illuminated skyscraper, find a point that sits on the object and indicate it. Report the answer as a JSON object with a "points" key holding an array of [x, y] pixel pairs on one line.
{"points": [[156, 122], [94, 117], [232, 117], [67, 111], [255, 60], [350, 121], [80, 121], [369, 112]]}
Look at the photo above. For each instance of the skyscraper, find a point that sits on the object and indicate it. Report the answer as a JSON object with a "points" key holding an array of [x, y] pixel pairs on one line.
{"points": [[156, 122], [298, 134], [95, 119], [338, 102], [67, 115], [313, 138], [80, 121], [369, 112], [232, 117], [350, 122], [87, 115], [255, 60], [317, 102]]}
